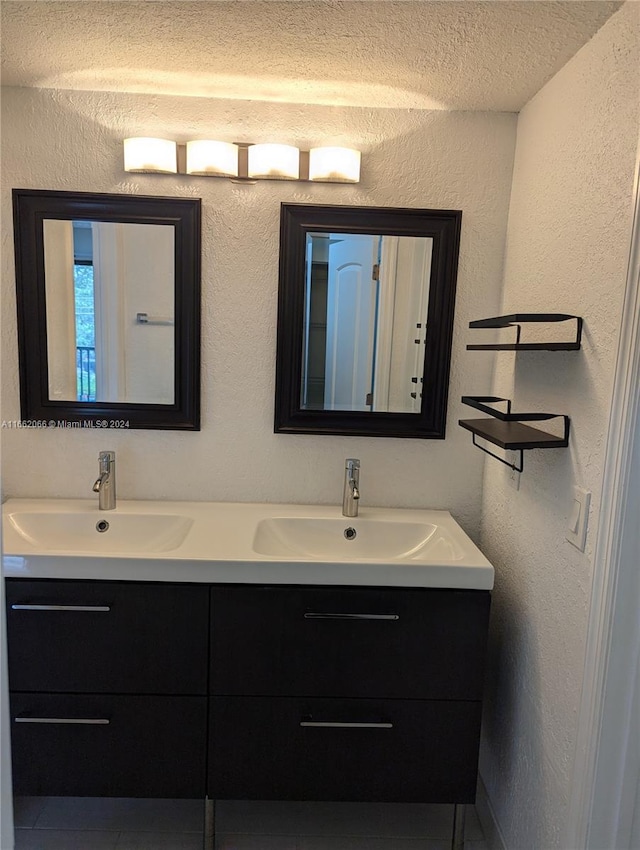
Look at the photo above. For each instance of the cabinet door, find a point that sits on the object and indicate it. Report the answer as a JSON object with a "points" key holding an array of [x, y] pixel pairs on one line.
{"points": [[107, 637], [266, 748], [356, 642], [108, 746]]}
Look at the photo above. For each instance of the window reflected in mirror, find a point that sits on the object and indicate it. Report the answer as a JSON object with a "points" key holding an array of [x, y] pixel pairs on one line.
{"points": [[100, 277], [108, 308]]}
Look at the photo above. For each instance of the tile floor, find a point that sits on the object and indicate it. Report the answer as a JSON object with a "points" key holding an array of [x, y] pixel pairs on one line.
{"points": [[89, 823]]}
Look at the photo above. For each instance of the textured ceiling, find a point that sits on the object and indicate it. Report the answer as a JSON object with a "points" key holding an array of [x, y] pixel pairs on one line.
{"points": [[421, 54]]}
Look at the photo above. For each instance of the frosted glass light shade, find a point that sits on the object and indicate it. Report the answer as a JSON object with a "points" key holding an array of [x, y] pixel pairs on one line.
{"points": [[214, 158], [150, 155], [274, 161], [333, 164]]}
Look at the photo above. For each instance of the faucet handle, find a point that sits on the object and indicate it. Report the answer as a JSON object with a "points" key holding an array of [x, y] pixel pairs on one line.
{"points": [[106, 459], [105, 484]]}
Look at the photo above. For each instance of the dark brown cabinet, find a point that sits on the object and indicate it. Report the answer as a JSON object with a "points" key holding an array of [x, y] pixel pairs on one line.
{"points": [[245, 691], [108, 686], [346, 693], [415, 643], [107, 637], [283, 748], [106, 745]]}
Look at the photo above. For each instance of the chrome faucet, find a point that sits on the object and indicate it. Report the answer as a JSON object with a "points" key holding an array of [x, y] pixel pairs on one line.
{"points": [[105, 485], [351, 492]]}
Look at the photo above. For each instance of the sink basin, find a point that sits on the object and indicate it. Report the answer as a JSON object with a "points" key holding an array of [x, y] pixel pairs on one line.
{"points": [[322, 537], [239, 543], [77, 531]]}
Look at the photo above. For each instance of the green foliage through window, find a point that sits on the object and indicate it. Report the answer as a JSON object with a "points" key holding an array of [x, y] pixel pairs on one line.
{"points": [[85, 332]]}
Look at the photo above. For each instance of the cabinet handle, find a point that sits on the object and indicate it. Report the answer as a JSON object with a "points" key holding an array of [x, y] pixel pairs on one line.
{"points": [[27, 607], [331, 616], [83, 721], [334, 724]]}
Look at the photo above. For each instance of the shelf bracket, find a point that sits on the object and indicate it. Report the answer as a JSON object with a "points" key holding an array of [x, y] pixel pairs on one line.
{"points": [[516, 320], [518, 468]]}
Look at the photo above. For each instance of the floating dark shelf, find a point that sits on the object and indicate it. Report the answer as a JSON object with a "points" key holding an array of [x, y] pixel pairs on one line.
{"points": [[518, 319], [506, 429], [526, 346], [513, 435]]}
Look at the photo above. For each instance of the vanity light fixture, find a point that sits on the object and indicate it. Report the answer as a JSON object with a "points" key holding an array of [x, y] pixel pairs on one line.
{"points": [[274, 162], [217, 159], [146, 155], [334, 165], [243, 162]]}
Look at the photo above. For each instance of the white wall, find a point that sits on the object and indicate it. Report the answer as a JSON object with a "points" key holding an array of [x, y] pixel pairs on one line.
{"points": [[567, 251], [147, 286], [61, 342], [73, 140]]}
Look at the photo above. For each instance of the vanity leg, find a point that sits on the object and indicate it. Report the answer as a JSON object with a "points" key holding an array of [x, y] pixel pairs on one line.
{"points": [[209, 824], [457, 841]]}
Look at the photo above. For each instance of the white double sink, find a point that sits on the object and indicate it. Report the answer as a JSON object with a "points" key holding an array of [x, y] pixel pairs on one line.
{"points": [[239, 542]]}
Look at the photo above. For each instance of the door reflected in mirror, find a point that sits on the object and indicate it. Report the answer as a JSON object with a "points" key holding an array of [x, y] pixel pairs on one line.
{"points": [[109, 291], [365, 320], [366, 301]]}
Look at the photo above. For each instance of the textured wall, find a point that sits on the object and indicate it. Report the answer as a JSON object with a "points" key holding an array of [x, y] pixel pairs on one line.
{"points": [[567, 251], [72, 140]]}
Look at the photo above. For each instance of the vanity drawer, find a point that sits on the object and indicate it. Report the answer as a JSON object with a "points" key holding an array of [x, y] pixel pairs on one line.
{"points": [[414, 644], [107, 637], [113, 746], [263, 748]]}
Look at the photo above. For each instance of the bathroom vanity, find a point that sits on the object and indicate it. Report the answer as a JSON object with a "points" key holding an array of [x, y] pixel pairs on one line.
{"points": [[225, 679]]}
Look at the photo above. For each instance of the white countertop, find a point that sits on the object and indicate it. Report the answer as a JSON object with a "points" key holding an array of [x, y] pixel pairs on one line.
{"points": [[219, 546]]}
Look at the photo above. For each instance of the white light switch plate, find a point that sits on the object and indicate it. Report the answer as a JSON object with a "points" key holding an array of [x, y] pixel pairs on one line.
{"points": [[579, 518]]}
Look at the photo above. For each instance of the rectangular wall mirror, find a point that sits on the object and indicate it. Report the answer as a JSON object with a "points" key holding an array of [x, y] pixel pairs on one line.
{"points": [[365, 319], [108, 296]]}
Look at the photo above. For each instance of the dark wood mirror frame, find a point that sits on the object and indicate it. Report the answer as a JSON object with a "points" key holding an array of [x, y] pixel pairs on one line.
{"points": [[296, 220], [30, 208]]}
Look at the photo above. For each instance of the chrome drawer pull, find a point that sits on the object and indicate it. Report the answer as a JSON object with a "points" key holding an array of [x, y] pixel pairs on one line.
{"points": [[330, 616], [61, 607], [83, 721], [338, 725]]}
